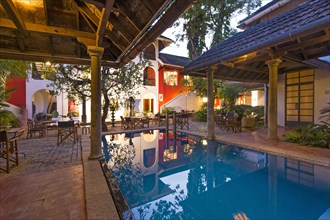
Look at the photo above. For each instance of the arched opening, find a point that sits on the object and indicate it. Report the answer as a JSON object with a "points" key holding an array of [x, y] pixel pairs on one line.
{"points": [[149, 78], [150, 52], [149, 157], [43, 101]]}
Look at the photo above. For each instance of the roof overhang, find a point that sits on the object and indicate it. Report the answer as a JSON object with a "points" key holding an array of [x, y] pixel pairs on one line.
{"points": [[247, 62], [60, 31]]}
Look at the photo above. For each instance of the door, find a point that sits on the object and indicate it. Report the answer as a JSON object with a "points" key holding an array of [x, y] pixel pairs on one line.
{"points": [[300, 98]]}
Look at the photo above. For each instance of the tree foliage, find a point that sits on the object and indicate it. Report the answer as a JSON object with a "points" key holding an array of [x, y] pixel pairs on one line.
{"points": [[118, 84], [229, 92], [211, 18], [10, 68]]}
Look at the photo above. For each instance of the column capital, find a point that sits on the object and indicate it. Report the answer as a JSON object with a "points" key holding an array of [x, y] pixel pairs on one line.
{"points": [[213, 68], [273, 62], [95, 51]]}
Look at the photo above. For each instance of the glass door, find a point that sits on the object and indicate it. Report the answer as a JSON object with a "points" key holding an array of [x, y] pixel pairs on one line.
{"points": [[300, 98]]}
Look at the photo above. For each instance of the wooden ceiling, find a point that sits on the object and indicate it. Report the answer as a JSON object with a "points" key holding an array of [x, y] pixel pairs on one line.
{"points": [[60, 30]]}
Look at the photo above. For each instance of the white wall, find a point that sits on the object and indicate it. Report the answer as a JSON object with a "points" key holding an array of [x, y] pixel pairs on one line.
{"points": [[185, 102]]}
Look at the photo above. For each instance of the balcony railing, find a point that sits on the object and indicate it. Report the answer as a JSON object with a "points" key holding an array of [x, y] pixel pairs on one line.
{"points": [[149, 82]]}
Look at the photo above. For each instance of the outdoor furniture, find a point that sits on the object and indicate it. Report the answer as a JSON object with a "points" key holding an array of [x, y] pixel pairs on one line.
{"points": [[221, 121], [67, 130], [86, 129], [182, 120], [35, 128], [8, 146], [162, 120], [140, 122]]}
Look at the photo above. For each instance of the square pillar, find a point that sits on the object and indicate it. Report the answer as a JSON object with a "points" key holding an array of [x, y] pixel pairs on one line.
{"points": [[272, 98], [96, 125], [210, 104]]}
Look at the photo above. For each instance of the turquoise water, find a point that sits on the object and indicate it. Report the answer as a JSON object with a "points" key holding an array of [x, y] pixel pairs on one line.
{"points": [[167, 176]]}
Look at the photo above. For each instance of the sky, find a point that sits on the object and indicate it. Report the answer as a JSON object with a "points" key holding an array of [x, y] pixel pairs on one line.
{"points": [[179, 48]]}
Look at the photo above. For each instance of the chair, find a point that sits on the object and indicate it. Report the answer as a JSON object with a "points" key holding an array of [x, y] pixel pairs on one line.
{"points": [[162, 120], [144, 121], [231, 123], [35, 128], [67, 130], [8, 147], [182, 120]]}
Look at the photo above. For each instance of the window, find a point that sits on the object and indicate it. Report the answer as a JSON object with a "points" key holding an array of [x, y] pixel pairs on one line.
{"points": [[149, 77], [171, 78]]}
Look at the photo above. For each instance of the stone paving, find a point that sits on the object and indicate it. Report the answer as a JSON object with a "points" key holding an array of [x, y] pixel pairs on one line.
{"points": [[59, 182]]}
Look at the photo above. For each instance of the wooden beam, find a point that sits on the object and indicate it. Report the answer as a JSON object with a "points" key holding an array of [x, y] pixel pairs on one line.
{"points": [[241, 67], [15, 16], [20, 42], [43, 57], [39, 28], [121, 28], [98, 3], [306, 43], [103, 22], [133, 19], [50, 39]]}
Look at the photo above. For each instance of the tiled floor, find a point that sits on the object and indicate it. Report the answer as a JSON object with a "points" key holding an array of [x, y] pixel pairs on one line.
{"points": [[56, 194], [47, 184]]}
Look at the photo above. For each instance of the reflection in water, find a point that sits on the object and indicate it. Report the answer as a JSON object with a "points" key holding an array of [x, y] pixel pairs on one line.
{"points": [[171, 176]]}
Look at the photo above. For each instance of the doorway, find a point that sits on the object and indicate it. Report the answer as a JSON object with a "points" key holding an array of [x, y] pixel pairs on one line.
{"points": [[300, 98], [148, 105]]}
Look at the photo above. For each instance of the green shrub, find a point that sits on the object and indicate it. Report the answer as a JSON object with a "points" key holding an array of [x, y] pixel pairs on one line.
{"points": [[55, 114], [201, 115], [7, 118], [72, 114], [311, 135], [167, 109]]}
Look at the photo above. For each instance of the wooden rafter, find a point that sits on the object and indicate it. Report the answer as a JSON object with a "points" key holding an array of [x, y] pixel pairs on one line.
{"points": [[99, 3], [93, 18], [50, 38], [306, 43], [15, 16], [39, 28], [103, 21], [132, 18]]}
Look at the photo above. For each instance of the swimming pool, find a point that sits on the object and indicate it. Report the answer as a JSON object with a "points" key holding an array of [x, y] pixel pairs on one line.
{"points": [[162, 175]]}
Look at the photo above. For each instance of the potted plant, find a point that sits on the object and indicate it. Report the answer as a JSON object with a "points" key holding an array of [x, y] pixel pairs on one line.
{"points": [[249, 119]]}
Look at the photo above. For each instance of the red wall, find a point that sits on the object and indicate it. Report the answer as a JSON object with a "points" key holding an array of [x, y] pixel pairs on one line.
{"points": [[18, 97], [169, 92]]}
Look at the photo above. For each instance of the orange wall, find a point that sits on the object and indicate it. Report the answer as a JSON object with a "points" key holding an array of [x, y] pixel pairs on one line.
{"points": [[18, 97], [169, 92]]}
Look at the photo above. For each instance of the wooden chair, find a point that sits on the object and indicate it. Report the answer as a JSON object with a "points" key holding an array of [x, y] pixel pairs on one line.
{"points": [[8, 147], [162, 120], [67, 130], [182, 120], [231, 123], [35, 128], [145, 121]]}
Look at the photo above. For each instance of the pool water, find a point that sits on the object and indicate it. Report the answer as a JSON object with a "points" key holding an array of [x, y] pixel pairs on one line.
{"points": [[176, 176]]}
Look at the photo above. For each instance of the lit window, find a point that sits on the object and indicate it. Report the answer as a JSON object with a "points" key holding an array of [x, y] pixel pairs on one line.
{"points": [[171, 78]]}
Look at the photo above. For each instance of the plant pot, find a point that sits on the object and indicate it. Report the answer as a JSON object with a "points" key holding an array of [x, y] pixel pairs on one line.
{"points": [[248, 122]]}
